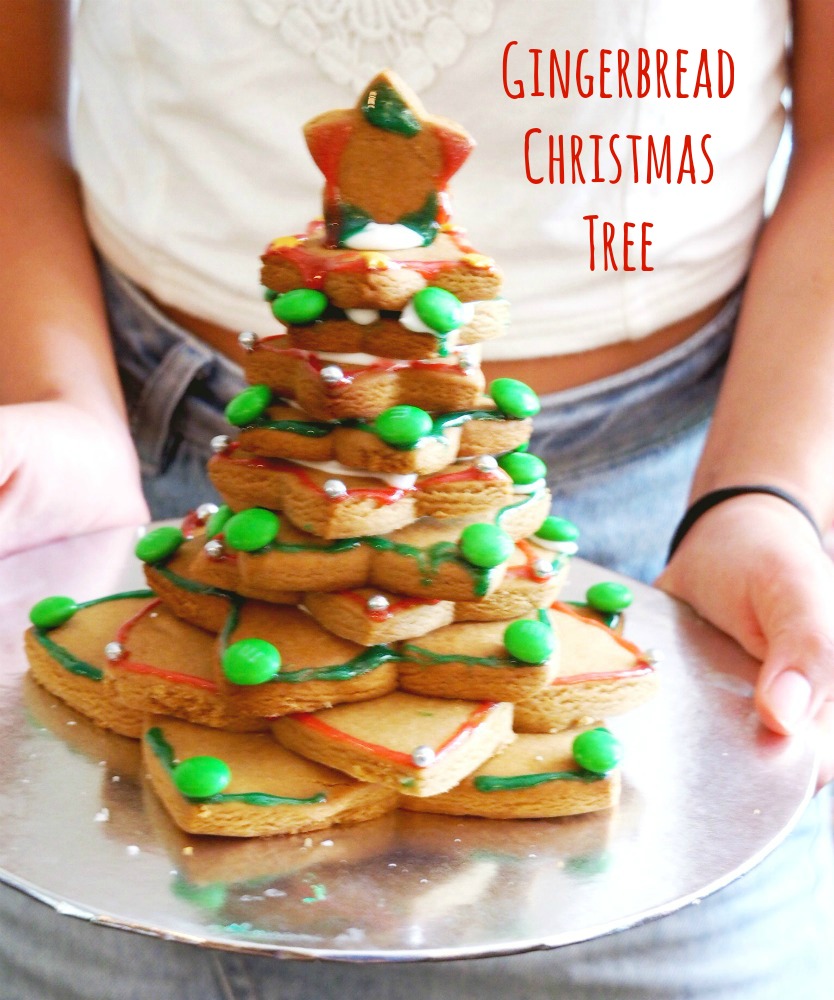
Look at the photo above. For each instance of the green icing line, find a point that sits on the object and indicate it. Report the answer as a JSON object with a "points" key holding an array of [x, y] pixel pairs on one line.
{"points": [[384, 108], [480, 661], [192, 586], [155, 739], [609, 618], [69, 661], [363, 663], [493, 783], [528, 498], [429, 560]]}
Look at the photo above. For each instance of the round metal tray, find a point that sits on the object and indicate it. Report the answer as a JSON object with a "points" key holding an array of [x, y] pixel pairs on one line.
{"points": [[707, 794]]}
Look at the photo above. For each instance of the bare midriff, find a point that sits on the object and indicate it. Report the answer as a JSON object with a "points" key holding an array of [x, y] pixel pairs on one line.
{"points": [[544, 375]]}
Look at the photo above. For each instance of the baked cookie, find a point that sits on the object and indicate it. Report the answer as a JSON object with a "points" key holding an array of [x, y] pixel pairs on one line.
{"points": [[373, 279], [433, 323], [426, 559], [159, 663], [600, 674], [535, 777], [402, 439], [503, 661], [247, 785], [330, 500], [67, 652], [418, 746], [386, 164], [277, 660]]}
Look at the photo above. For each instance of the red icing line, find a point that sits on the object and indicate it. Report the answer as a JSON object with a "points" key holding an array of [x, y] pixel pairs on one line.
{"points": [[466, 474], [466, 728], [527, 569], [640, 669], [136, 667], [191, 524], [400, 604], [383, 495]]}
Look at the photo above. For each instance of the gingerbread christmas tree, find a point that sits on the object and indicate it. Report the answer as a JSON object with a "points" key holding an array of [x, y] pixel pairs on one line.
{"points": [[371, 616]]}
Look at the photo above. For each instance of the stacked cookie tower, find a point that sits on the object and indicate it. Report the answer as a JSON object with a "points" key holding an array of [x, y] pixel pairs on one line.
{"points": [[368, 620]]}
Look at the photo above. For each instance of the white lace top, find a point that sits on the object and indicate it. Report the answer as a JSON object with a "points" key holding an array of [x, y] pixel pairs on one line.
{"points": [[188, 141]]}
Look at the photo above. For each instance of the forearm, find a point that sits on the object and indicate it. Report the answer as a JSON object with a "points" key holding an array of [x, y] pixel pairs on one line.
{"points": [[54, 341]]}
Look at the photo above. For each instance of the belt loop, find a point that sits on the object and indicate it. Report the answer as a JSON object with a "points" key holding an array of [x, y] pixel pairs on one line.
{"points": [[163, 391]]}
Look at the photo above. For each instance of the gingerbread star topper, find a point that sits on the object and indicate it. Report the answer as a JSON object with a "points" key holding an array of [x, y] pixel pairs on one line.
{"points": [[386, 165]]}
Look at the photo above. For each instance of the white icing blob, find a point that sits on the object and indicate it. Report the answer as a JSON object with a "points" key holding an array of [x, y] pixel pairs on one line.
{"points": [[382, 236], [397, 480], [362, 317], [534, 487]]}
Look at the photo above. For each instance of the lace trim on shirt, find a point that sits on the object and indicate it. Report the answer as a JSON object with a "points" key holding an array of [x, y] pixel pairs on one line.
{"points": [[351, 40]]}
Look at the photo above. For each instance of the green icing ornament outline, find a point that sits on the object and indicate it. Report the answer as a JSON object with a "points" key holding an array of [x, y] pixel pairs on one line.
{"points": [[69, 661], [164, 752]]}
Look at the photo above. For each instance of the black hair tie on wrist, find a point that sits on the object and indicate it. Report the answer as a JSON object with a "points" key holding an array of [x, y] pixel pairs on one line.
{"points": [[715, 497]]}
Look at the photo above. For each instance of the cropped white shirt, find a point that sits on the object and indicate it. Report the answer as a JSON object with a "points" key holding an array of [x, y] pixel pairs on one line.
{"points": [[187, 137]]}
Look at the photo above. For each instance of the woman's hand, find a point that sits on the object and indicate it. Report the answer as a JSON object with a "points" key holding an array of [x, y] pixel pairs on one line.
{"points": [[753, 567], [64, 471]]}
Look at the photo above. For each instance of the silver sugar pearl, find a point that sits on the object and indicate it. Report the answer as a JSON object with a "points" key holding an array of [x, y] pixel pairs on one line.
{"points": [[247, 340], [331, 374], [486, 463], [422, 756], [542, 568], [205, 511], [378, 602], [652, 656], [334, 488], [219, 443], [114, 651], [214, 549]]}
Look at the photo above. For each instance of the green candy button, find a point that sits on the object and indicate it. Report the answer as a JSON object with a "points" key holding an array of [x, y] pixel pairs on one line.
{"points": [[485, 545], [557, 529], [248, 405], [529, 641], [251, 661], [403, 426], [251, 529], [439, 309], [609, 597], [159, 544], [302, 305], [52, 611], [523, 468], [201, 777], [514, 398], [217, 522], [597, 750]]}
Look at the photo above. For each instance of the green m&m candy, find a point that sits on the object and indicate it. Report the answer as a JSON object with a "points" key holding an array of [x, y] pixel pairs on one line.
{"points": [[485, 545], [530, 641], [201, 777], [52, 611], [403, 426], [302, 305], [438, 309], [217, 522], [251, 661], [597, 750], [523, 468], [514, 398], [248, 405], [557, 529], [251, 529], [609, 597], [159, 544]]}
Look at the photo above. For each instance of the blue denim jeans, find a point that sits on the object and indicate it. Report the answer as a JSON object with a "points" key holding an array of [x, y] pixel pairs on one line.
{"points": [[621, 452]]}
